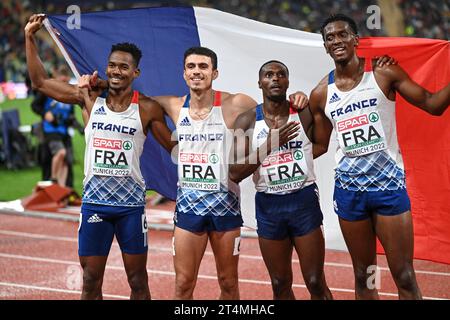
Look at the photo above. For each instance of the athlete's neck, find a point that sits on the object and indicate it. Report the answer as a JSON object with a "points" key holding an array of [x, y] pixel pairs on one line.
{"points": [[275, 109], [352, 68], [201, 100], [119, 99]]}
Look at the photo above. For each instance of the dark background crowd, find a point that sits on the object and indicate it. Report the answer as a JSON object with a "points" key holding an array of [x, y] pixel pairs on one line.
{"points": [[415, 18]]}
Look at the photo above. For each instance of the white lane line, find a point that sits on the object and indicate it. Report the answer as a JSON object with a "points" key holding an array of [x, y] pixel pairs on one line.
{"points": [[26, 286], [37, 236], [243, 256], [171, 273]]}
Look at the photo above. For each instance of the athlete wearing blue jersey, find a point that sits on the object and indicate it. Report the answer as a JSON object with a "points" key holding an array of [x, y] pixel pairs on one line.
{"points": [[357, 99], [113, 187]]}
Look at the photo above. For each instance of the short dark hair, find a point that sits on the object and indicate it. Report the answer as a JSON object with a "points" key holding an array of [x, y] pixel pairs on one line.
{"points": [[339, 17], [131, 48], [202, 51], [272, 61]]}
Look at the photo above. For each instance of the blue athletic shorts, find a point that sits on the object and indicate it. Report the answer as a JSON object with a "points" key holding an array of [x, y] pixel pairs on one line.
{"points": [[99, 224], [197, 223], [291, 215], [359, 205]]}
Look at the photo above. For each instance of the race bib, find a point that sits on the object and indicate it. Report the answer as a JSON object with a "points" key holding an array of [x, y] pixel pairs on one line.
{"points": [[284, 171], [199, 171], [361, 135], [112, 157]]}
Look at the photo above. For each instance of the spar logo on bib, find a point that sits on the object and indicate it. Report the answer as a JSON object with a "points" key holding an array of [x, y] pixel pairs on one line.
{"points": [[214, 158], [373, 117], [277, 159], [127, 145], [298, 155], [194, 157], [352, 123]]}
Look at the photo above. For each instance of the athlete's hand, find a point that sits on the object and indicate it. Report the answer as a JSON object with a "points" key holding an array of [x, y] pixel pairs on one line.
{"points": [[84, 82], [34, 24], [299, 100], [96, 83], [279, 136], [385, 60], [93, 79]]}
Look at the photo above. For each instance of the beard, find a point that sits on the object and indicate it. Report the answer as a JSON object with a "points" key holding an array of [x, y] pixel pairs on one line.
{"points": [[279, 98]]}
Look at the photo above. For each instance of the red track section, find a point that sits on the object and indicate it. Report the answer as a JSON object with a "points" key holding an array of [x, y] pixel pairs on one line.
{"points": [[38, 260]]}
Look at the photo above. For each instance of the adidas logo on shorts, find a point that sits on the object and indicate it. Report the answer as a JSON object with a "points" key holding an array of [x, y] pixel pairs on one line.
{"points": [[185, 122], [334, 98], [100, 111], [95, 218]]}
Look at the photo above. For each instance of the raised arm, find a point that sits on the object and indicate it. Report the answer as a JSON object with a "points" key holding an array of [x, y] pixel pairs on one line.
{"points": [[322, 126], [56, 89], [433, 103], [171, 105]]}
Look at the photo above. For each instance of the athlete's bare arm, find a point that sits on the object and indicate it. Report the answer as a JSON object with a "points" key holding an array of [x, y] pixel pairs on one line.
{"points": [[393, 78], [89, 95], [56, 89], [171, 105], [88, 91], [307, 121], [246, 162], [233, 105], [322, 125], [152, 116], [242, 145]]}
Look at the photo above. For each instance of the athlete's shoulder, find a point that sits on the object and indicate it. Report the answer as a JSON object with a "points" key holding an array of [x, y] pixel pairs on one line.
{"points": [[322, 85], [246, 119], [319, 93], [170, 103], [147, 102], [238, 100]]}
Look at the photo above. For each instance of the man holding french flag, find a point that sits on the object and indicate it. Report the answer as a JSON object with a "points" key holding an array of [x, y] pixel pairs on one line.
{"points": [[357, 99], [366, 125]]}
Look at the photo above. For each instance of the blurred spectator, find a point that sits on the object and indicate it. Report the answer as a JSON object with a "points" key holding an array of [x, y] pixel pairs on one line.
{"points": [[428, 19], [55, 150], [13, 15]]}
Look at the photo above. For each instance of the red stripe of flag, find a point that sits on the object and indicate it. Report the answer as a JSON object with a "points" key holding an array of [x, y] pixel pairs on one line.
{"points": [[424, 141]]}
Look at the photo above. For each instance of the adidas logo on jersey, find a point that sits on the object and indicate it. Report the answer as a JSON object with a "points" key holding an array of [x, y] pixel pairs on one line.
{"points": [[185, 122], [94, 219], [263, 134], [100, 111], [334, 98]]}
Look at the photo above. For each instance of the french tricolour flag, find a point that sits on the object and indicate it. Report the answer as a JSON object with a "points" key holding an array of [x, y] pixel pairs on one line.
{"points": [[242, 45]]}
